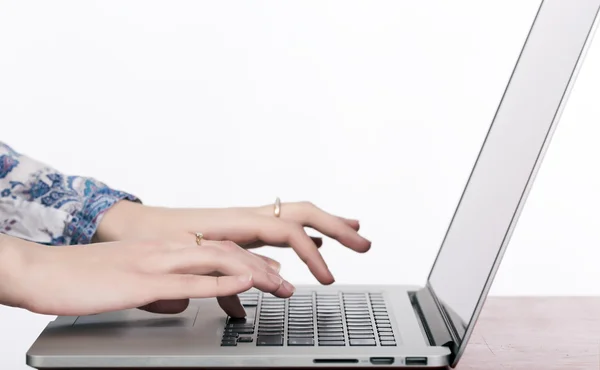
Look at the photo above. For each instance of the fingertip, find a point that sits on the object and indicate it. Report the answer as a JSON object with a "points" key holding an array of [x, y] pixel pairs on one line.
{"points": [[366, 247], [318, 241], [328, 281], [232, 306]]}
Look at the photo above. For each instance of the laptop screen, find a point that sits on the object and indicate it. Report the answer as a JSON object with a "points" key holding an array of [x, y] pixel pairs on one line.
{"points": [[500, 180]]}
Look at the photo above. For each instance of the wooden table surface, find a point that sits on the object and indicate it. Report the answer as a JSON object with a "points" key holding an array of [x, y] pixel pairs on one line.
{"points": [[536, 333]]}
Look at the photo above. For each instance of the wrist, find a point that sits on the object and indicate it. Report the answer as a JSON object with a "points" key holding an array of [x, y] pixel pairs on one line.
{"points": [[119, 221], [12, 262]]}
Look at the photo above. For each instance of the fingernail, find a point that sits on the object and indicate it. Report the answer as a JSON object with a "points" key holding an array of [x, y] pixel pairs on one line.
{"points": [[289, 286], [275, 278], [245, 278]]}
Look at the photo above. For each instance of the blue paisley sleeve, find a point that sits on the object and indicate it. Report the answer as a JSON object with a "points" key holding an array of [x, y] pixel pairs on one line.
{"points": [[40, 204]]}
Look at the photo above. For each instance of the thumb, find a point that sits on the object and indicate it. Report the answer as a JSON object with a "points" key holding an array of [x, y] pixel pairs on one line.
{"points": [[167, 306]]}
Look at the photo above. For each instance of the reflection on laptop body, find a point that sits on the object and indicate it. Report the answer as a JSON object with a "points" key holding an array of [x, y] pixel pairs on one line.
{"points": [[366, 325]]}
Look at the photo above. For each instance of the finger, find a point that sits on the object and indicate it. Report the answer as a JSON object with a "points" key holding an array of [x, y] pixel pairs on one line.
{"points": [[167, 307], [223, 258], [309, 215], [232, 306], [317, 240], [266, 276], [271, 262], [176, 286], [275, 231]]}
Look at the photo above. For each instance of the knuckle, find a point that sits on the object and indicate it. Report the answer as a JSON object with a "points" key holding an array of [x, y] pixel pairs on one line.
{"points": [[308, 204], [295, 231], [188, 280], [230, 246]]}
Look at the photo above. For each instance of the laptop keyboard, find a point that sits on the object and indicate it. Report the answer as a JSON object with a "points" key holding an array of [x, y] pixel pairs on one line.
{"points": [[311, 319]]}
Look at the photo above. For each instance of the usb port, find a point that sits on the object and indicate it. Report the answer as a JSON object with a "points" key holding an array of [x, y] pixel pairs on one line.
{"points": [[411, 361], [382, 360]]}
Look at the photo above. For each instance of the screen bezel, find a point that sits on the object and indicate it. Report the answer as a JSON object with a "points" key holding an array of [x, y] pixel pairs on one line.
{"points": [[446, 313]]}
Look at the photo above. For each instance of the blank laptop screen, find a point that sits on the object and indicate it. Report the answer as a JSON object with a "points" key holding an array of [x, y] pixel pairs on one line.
{"points": [[512, 151]]}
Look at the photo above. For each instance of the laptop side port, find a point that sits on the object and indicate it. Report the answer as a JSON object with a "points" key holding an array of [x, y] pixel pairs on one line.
{"points": [[335, 361], [382, 360], [415, 361]]}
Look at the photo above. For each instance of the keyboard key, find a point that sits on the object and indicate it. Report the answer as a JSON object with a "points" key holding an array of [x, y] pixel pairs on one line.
{"points": [[299, 325], [240, 331], [271, 333], [229, 343], [330, 330], [362, 342], [300, 315], [245, 339], [301, 309], [384, 326], [359, 321], [301, 318], [329, 319], [336, 338], [271, 325], [301, 342], [330, 325], [388, 343], [330, 333], [384, 330], [361, 336], [266, 310], [269, 340], [265, 315], [240, 326], [294, 332], [332, 343], [361, 332], [360, 325], [301, 335], [357, 310]]}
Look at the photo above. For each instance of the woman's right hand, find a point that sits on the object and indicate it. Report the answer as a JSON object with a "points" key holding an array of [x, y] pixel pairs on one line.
{"points": [[155, 276]]}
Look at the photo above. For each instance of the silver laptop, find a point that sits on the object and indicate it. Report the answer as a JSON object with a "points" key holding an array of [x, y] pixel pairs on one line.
{"points": [[322, 326]]}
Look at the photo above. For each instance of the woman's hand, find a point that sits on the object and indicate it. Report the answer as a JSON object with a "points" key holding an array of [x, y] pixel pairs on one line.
{"points": [[249, 227], [155, 276]]}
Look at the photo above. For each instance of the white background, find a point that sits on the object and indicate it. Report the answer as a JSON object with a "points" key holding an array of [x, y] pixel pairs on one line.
{"points": [[374, 110]]}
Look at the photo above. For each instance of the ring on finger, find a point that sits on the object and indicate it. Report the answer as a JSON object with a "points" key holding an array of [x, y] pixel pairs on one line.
{"points": [[277, 207], [199, 237]]}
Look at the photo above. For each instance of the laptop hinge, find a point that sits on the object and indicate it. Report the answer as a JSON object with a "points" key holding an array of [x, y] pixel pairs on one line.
{"points": [[433, 320]]}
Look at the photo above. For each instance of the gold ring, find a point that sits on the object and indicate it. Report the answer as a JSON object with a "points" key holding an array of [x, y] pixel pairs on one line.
{"points": [[277, 210], [199, 237]]}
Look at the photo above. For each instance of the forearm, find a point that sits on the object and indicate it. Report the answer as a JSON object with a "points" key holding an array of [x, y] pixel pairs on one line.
{"points": [[41, 204], [11, 262]]}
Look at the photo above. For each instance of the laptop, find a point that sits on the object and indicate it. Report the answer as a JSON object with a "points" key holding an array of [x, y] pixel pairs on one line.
{"points": [[357, 325]]}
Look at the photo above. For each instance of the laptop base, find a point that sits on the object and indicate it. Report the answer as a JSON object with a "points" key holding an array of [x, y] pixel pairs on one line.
{"points": [[195, 338]]}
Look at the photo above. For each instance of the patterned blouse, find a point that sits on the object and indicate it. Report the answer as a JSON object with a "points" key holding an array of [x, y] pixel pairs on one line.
{"points": [[42, 205]]}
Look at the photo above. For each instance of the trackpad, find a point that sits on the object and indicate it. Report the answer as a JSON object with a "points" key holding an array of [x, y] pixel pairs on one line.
{"points": [[139, 319]]}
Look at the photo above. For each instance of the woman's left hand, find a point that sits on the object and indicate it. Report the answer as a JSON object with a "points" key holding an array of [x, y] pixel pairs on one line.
{"points": [[249, 227]]}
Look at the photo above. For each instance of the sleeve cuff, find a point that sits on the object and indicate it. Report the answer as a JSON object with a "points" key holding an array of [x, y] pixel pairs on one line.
{"points": [[82, 226]]}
